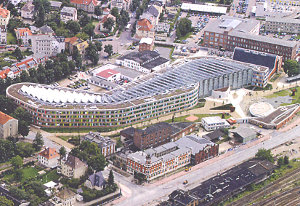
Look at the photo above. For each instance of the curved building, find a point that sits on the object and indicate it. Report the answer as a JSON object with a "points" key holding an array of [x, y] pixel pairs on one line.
{"points": [[176, 90]]}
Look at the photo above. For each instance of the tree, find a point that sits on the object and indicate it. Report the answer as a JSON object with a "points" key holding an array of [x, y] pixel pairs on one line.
{"points": [[115, 12], [177, 2], [77, 57], [108, 24], [110, 180], [23, 128], [18, 174], [97, 163], [264, 154], [280, 161], [25, 120], [62, 152], [25, 76], [14, 23], [291, 67], [184, 26], [17, 162], [5, 202], [84, 20], [89, 29], [92, 53], [98, 45], [73, 26], [38, 142], [7, 105], [286, 160], [98, 11], [108, 49], [18, 54], [40, 17]]}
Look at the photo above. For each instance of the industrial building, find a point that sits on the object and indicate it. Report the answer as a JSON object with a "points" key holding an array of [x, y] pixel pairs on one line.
{"points": [[175, 90], [285, 25]]}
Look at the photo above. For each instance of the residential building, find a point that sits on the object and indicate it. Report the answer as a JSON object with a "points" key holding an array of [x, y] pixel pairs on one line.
{"points": [[72, 167], [65, 197], [55, 5], [162, 27], [201, 149], [14, 2], [4, 17], [151, 14], [85, 5], [146, 44], [109, 75], [121, 4], [95, 181], [278, 118], [145, 61], [244, 134], [27, 11], [161, 36], [68, 14], [144, 29], [3, 35], [214, 136], [23, 35], [283, 25], [107, 146], [47, 45], [230, 32], [46, 30], [102, 22], [49, 157], [158, 134], [213, 123], [158, 161], [8, 126], [71, 43]]}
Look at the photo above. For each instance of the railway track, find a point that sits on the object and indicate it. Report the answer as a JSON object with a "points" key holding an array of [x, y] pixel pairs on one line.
{"points": [[269, 189]]}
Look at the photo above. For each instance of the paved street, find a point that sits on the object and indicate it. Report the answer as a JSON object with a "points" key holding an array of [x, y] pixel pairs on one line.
{"points": [[146, 195]]}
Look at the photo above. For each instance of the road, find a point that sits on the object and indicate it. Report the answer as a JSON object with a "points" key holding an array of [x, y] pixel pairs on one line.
{"points": [[148, 194]]}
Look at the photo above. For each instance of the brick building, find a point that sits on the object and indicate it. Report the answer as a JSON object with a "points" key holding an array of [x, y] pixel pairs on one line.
{"points": [[146, 44]]}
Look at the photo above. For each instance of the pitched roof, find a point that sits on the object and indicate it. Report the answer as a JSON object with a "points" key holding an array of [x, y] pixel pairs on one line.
{"points": [[49, 153], [84, 2], [29, 7], [71, 40], [214, 135], [3, 73], [107, 73], [97, 179], [4, 118], [104, 19], [23, 31], [144, 25], [152, 10], [4, 13], [46, 29], [74, 162], [66, 194]]}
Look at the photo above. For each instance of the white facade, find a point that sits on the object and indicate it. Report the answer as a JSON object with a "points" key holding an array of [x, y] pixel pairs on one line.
{"points": [[133, 65], [287, 25], [27, 11], [68, 14], [3, 36], [213, 123], [51, 163], [162, 27], [46, 45]]}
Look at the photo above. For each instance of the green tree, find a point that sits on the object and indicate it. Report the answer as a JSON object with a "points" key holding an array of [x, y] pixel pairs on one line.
{"points": [[98, 45], [108, 49], [108, 24], [40, 17], [89, 29], [286, 160], [92, 53], [24, 76], [25, 120], [119, 143], [7, 105], [62, 152], [77, 57], [291, 68], [264, 154], [110, 180], [23, 128], [73, 26], [280, 161], [14, 23], [184, 26], [5, 202], [18, 193], [115, 12], [17, 162], [98, 11], [18, 175], [18, 54], [38, 142], [97, 163], [84, 20]]}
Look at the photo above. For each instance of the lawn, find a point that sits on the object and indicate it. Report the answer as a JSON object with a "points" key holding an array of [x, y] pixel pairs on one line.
{"points": [[50, 176], [200, 116], [279, 93], [186, 36], [28, 172], [11, 39]]}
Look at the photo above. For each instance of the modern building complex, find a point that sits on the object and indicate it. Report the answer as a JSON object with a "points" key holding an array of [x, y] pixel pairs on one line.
{"points": [[145, 61], [230, 32], [175, 90], [107, 146], [8, 126], [49, 158], [277, 118], [285, 25], [270, 63], [213, 123]]}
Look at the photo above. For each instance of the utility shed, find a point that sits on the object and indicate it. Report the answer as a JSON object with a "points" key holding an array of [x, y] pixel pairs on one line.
{"points": [[244, 134]]}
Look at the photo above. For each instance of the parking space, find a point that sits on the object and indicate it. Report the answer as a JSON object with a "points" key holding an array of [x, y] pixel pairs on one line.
{"points": [[163, 51]]}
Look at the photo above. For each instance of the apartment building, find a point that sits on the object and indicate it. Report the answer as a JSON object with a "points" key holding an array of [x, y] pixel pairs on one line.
{"points": [[107, 146], [146, 44], [23, 35], [144, 29], [47, 45], [285, 25], [49, 157], [85, 5], [72, 167], [121, 4], [27, 11], [68, 14], [4, 17]]}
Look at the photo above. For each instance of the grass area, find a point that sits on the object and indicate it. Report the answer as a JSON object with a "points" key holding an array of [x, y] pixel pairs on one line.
{"points": [[186, 36], [200, 116], [11, 39], [275, 77], [95, 22], [65, 138], [171, 54], [28, 173], [223, 107], [279, 172], [50, 176], [279, 94]]}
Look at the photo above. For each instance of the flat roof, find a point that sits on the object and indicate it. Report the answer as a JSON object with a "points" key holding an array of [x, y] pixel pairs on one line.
{"points": [[204, 8], [283, 20]]}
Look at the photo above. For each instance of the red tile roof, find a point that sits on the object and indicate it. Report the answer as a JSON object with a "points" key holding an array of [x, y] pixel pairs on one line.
{"points": [[4, 118], [4, 13], [145, 25], [3, 73], [104, 19], [71, 40], [85, 2], [22, 31], [107, 73], [49, 153], [25, 62]]}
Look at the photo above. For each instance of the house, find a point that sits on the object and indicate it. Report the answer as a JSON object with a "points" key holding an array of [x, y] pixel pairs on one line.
{"points": [[215, 135], [26, 63], [47, 45], [144, 29], [121, 4], [3, 35], [244, 134], [68, 14], [8, 126], [55, 5], [95, 181], [65, 197], [27, 11], [103, 20], [4, 17], [49, 157], [213, 123], [146, 44], [145, 61], [4, 73], [152, 14], [46, 30], [85, 5], [23, 35], [72, 167], [107, 146], [71, 43]]}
